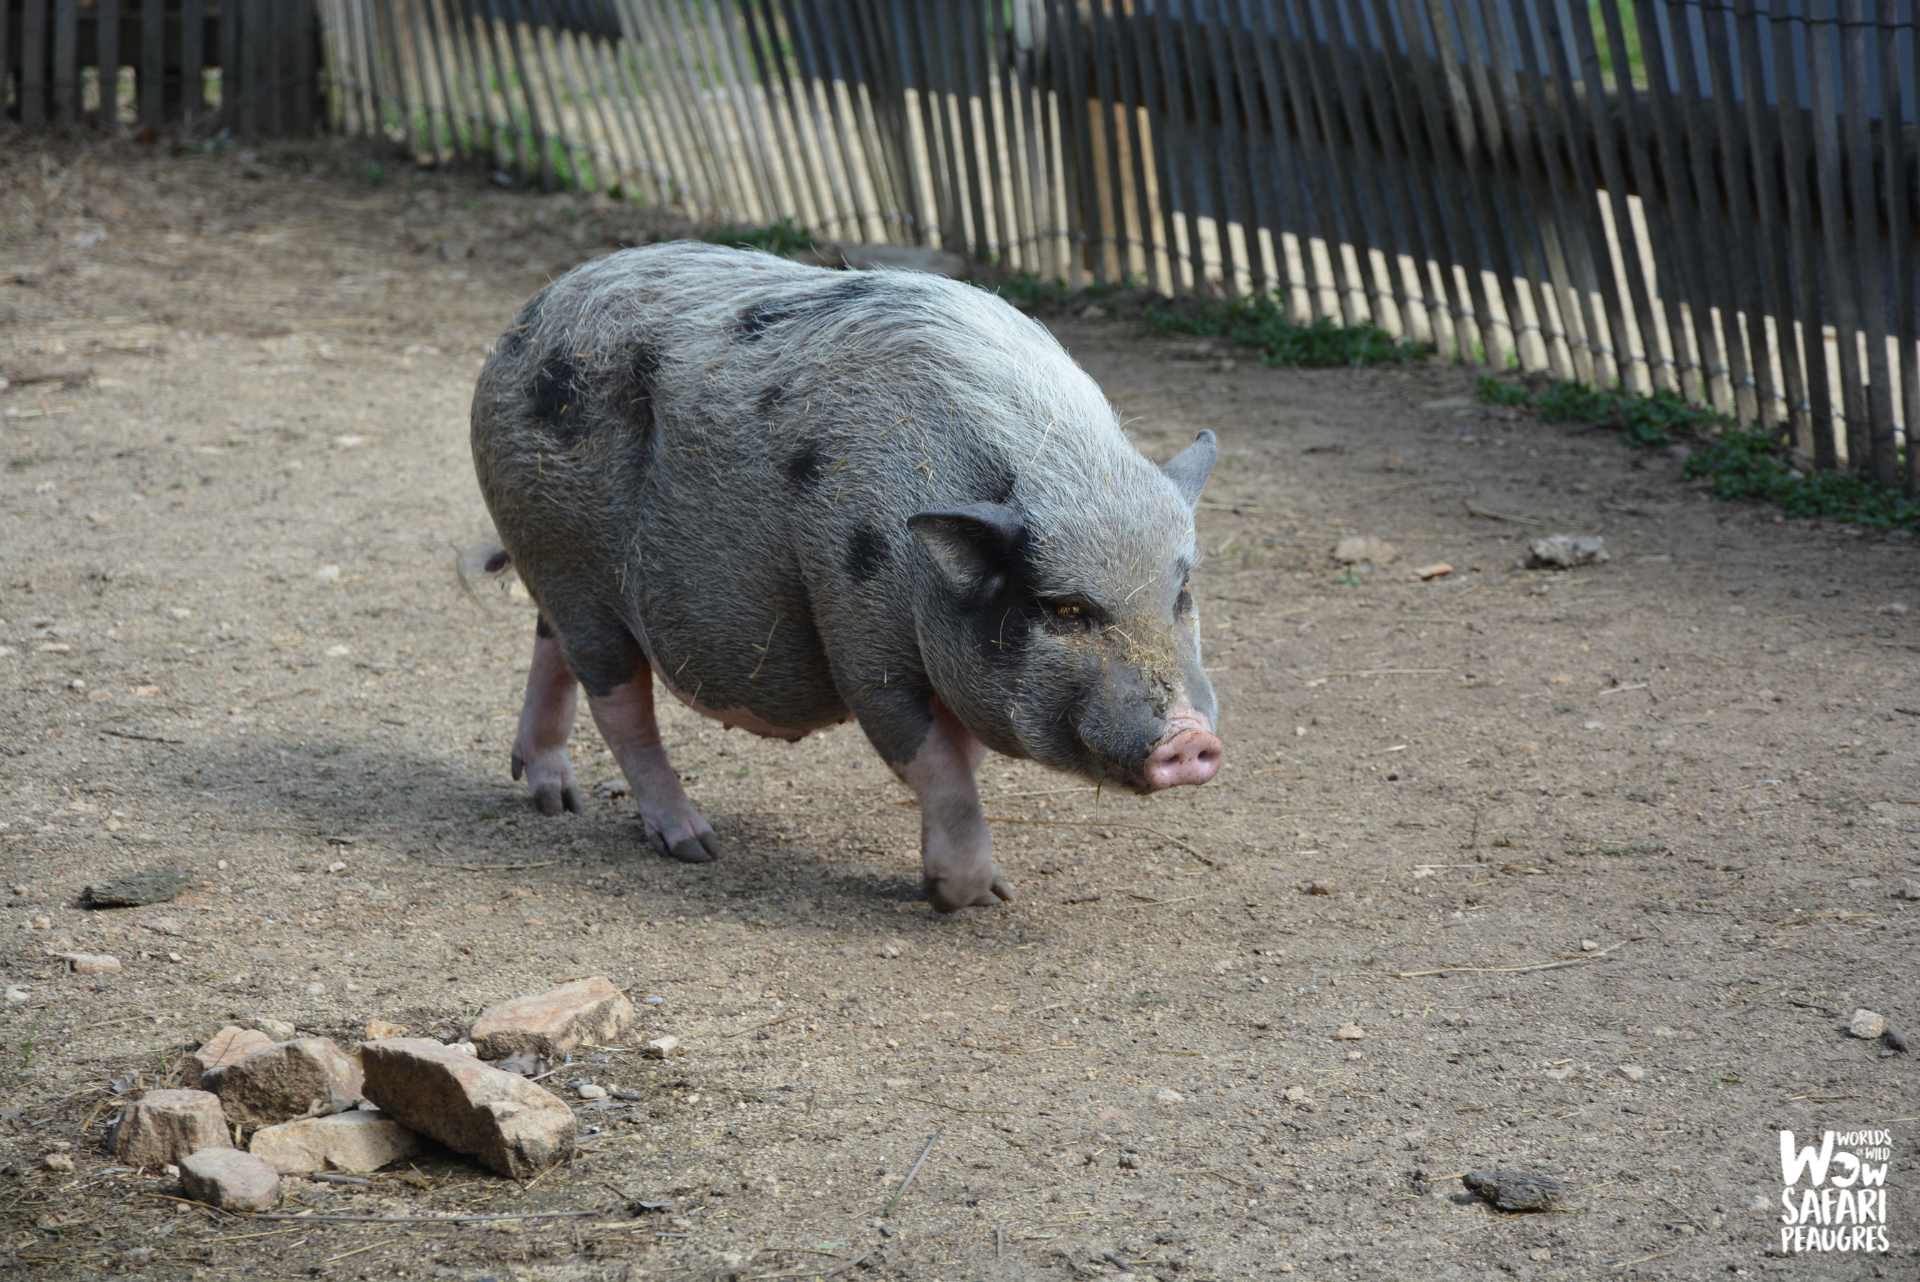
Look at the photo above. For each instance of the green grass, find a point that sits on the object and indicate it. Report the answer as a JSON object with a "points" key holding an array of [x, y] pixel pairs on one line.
{"points": [[1263, 323], [783, 237], [1645, 420], [1032, 293], [1750, 465]]}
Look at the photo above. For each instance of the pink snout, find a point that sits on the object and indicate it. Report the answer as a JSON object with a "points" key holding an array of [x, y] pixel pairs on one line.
{"points": [[1192, 756]]}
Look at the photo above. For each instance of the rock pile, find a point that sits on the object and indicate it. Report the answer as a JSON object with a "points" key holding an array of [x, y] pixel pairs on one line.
{"points": [[304, 1105]]}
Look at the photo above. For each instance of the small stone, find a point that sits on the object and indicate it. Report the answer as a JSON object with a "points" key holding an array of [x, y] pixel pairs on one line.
{"points": [[1323, 888], [16, 995], [1631, 1072], [162, 1127], [1908, 890], [893, 948], [1514, 1190], [355, 1142], [1438, 570], [1863, 883], [1350, 1033], [1167, 1095], [138, 1257], [464, 1048], [510, 1124], [223, 1048], [1356, 548], [59, 1162], [154, 886], [662, 1047], [1588, 946], [230, 1180], [316, 989], [587, 1090], [89, 963], [1540, 1253], [1564, 551], [1130, 1161], [587, 1010], [381, 1029], [1560, 1074], [1867, 1024], [311, 1077], [278, 1029], [527, 1063], [1093, 312]]}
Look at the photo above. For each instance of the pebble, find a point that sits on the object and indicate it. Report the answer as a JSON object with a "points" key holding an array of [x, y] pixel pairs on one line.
{"points": [[1356, 548], [893, 948], [278, 1029], [1564, 551], [223, 1048], [60, 1162], [1350, 1032], [354, 1141], [1867, 1024], [1323, 888], [311, 1077], [663, 1048], [1588, 946], [1560, 1074], [163, 1126], [549, 1023], [1093, 312], [1631, 1072], [378, 1029], [1130, 1161], [1908, 890], [230, 1180], [1294, 1094], [17, 995], [1514, 1190], [154, 886], [89, 963], [1438, 570], [587, 1090], [1167, 1095], [316, 989], [508, 1123]]}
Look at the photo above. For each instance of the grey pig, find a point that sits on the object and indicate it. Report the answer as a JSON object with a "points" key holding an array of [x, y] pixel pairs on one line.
{"points": [[799, 496]]}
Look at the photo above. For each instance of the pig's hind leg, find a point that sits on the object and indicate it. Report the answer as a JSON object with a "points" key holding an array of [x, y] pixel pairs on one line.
{"points": [[625, 717], [546, 719]]}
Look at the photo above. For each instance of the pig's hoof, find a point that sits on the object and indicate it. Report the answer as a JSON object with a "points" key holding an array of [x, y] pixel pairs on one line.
{"points": [[552, 798], [554, 788], [700, 848], [951, 894]]}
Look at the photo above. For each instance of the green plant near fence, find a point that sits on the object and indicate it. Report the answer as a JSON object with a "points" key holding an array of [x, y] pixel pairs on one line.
{"points": [[1262, 323], [1752, 465]]}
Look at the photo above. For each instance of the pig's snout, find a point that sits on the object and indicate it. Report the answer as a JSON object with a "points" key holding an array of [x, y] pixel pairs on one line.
{"points": [[1191, 756]]}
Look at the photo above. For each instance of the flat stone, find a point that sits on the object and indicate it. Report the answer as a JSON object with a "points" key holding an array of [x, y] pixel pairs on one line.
{"points": [[1350, 1033], [1632, 1072], [89, 963], [377, 1029], [230, 1180], [220, 1050], [1514, 1190], [165, 1126], [1867, 1024], [154, 886], [663, 1048], [354, 1142], [1564, 551], [311, 1077], [587, 1010], [1355, 548], [508, 1123]]}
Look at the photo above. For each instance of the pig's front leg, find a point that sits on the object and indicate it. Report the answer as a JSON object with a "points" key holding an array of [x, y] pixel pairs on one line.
{"points": [[625, 717], [956, 852], [546, 719]]}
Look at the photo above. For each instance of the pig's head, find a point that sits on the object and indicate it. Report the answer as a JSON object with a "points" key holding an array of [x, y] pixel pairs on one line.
{"points": [[1062, 625]]}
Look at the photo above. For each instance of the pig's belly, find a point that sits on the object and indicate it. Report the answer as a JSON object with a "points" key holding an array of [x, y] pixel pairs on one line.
{"points": [[742, 717]]}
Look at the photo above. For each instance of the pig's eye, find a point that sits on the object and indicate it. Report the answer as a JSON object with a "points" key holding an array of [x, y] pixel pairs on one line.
{"points": [[1183, 604], [1069, 616]]}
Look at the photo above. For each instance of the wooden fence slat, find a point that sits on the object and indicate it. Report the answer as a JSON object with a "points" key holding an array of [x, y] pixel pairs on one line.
{"points": [[1867, 249], [153, 53], [106, 53], [1900, 229], [193, 61], [66, 61], [1323, 172], [33, 62], [1796, 152], [1823, 80], [1228, 196], [1174, 152]]}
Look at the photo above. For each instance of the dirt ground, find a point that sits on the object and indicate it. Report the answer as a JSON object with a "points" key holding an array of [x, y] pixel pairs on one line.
{"points": [[232, 641]]}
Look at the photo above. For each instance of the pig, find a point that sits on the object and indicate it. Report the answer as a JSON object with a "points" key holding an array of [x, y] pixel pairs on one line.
{"points": [[796, 497]]}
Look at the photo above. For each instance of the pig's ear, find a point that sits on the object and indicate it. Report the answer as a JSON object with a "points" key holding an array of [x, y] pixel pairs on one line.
{"points": [[973, 546], [1190, 468]]}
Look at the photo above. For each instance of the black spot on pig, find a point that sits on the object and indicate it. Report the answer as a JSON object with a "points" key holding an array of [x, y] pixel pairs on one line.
{"points": [[759, 318], [807, 463], [643, 372], [514, 341], [555, 391], [867, 554], [541, 628]]}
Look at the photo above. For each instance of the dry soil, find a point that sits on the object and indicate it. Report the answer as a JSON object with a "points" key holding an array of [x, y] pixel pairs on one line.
{"points": [[1524, 831]]}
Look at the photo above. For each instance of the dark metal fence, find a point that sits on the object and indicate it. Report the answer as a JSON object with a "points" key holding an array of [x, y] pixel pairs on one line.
{"points": [[251, 66]]}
